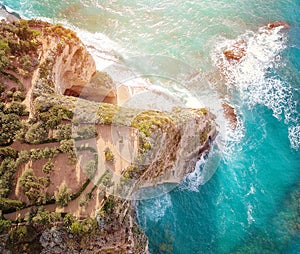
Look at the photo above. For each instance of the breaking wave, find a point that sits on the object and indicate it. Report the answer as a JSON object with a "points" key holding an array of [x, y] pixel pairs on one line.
{"points": [[256, 76]]}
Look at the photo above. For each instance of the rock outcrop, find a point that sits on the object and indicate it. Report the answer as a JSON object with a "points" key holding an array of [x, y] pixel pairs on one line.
{"points": [[230, 115], [236, 52], [282, 24], [67, 67]]}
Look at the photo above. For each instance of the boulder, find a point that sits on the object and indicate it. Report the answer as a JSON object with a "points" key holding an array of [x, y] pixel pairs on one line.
{"points": [[281, 24], [236, 52]]}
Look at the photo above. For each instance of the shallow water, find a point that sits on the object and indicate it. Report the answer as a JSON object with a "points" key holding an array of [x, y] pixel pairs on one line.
{"points": [[251, 202]]}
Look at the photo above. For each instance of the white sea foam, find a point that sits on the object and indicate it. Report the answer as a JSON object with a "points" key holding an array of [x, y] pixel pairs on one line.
{"points": [[104, 51], [294, 136], [193, 180], [255, 75], [205, 168], [250, 218], [156, 209]]}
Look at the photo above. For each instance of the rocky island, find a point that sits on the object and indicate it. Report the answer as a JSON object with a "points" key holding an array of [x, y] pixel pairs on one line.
{"points": [[65, 187]]}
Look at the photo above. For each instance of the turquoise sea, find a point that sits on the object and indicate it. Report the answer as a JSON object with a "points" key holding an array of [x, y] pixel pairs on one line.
{"points": [[250, 203]]}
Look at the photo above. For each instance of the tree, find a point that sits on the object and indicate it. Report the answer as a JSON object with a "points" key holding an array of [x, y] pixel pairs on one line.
{"points": [[34, 188], [4, 60], [64, 131], [90, 168], [4, 226], [10, 124], [6, 204], [2, 88], [68, 147], [7, 171], [17, 108], [69, 219], [37, 133], [62, 197]]}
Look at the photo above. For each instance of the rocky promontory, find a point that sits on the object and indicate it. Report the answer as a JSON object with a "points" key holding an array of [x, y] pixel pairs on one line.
{"points": [[71, 158]]}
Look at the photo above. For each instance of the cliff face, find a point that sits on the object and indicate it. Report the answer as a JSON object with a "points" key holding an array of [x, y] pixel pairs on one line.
{"points": [[62, 91], [65, 67]]}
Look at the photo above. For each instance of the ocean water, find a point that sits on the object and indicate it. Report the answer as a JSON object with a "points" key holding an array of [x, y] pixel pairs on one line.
{"points": [[249, 200]]}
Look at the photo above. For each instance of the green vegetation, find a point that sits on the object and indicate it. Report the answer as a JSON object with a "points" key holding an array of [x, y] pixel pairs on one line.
{"points": [[18, 47], [10, 124], [64, 131], [34, 187], [90, 168], [4, 226], [109, 156], [8, 204], [85, 132], [149, 120], [51, 120], [45, 218], [63, 195], [131, 172], [68, 147], [23, 239], [7, 171], [86, 227], [8, 152], [48, 167], [36, 134]]}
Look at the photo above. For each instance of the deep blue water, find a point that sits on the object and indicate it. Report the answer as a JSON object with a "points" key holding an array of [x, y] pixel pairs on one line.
{"points": [[251, 204]]}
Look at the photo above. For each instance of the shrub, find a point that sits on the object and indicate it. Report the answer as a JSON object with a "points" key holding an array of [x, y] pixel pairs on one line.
{"points": [[85, 227], [17, 108], [48, 167], [4, 226], [109, 156], [26, 63], [19, 96], [87, 132], [69, 219], [90, 168], [2, 88], [8, 152], [23, 157], [45, 218], [7, 204], [68, 147]]}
